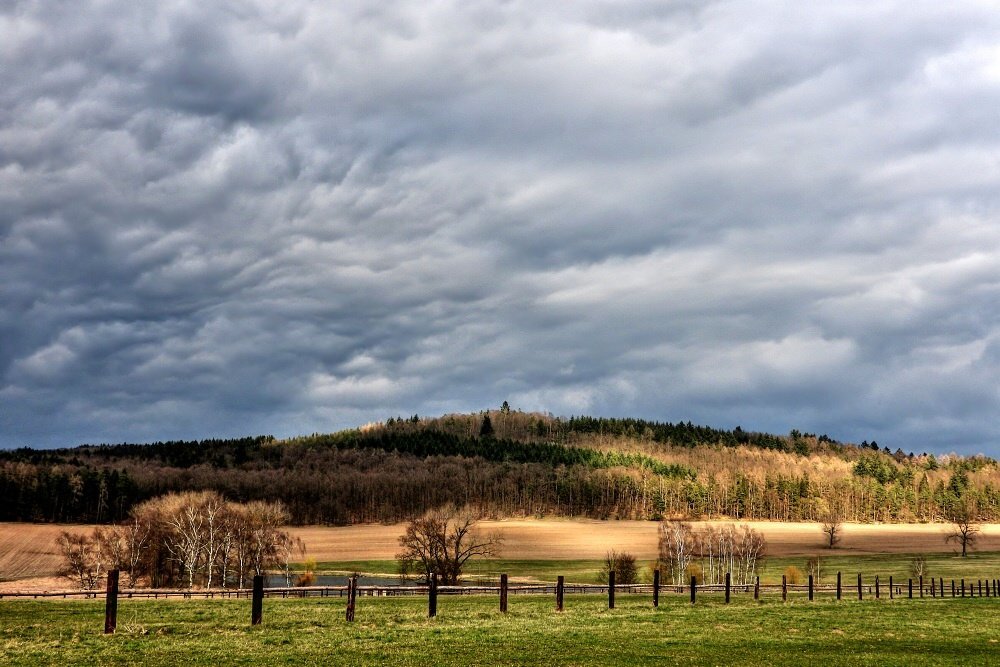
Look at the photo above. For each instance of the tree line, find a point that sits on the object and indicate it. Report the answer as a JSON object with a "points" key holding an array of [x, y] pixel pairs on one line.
{"points": [[186, 539], [524, 464]]}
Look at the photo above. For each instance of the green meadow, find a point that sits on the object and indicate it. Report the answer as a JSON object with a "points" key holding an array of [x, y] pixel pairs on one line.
{"points": [[469, 630], [977, 565]]}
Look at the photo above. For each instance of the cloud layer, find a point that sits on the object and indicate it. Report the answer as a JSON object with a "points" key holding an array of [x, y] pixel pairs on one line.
{"points": [[241, 217]]}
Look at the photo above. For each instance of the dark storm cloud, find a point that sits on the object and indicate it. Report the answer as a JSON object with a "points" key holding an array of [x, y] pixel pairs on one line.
{"points": [[241, 217]]}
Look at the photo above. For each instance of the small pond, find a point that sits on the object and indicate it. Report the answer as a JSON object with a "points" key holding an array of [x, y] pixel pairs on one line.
{"points": [[341, 580]]}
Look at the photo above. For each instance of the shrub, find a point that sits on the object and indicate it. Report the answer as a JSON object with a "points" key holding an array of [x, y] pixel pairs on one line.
{"points": [[793, 575], [308, 576], [623, 565]]}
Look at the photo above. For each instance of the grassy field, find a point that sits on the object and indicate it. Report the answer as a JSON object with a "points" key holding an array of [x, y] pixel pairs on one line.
{"points": [[470, 631]]}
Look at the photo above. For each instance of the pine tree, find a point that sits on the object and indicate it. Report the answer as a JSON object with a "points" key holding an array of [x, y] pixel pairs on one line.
{"points": [[486, 430]]}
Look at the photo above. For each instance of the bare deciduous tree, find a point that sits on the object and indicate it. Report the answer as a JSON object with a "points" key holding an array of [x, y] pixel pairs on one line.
{"points": [[83, 561], [442, 542], [964, 518], [197, 537], [262, 522], [676, 549], [833, 526], [919, 567], [715, 551], [814, 567], [186, 537]]}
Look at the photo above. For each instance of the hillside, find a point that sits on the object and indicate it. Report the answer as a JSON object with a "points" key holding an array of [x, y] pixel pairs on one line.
{"points": [[508, 463]]}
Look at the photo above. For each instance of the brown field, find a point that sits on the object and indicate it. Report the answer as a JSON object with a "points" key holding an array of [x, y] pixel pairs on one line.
{"points": [[29, 556], [29, 549], [534, 539]]}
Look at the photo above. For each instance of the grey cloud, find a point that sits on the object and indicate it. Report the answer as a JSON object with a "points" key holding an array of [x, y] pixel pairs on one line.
{"points": [[240, 217]]}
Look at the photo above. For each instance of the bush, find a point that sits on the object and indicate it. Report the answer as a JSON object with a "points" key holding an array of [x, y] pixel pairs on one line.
{"points": [[623, 565], [308, 576], [793, 575]]}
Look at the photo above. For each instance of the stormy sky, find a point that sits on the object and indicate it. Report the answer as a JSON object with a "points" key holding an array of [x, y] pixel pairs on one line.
{"points": [[239, 217]]}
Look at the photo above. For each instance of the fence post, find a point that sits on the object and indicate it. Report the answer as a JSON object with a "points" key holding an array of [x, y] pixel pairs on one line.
{"points": [[860, 595], [933, 591], [727, 587], [987, 588], [876, 588], [352, 596], [503, 593], [756, 588], [952, 588], [432, 596], [838, 586], [560, 587], [111, 603], [694, 587], [784, 588], [810, 588], [611, 589], [910, 588], [892, 593], [257, 606], [656, 588], [921, 585]]}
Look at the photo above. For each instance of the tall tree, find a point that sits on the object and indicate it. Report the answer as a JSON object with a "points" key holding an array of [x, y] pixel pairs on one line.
{"points": [[442, 542]]}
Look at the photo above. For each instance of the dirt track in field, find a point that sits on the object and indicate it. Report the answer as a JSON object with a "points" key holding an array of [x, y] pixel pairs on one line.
{"points": [[28, 552]]}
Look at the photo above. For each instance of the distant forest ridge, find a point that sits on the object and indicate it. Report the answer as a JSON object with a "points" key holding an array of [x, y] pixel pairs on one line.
{"points": [[508, 463]]}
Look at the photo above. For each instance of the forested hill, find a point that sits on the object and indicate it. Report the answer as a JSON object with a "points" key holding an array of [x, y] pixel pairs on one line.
{"points": [[508, 463]]}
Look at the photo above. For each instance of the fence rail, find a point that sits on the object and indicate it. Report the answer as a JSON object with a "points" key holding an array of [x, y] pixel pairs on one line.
{"points": [[972, 589], [559, 589]]}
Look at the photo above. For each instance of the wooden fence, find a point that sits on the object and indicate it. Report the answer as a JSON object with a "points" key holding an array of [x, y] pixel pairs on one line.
{"points": [[875, 588]]}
